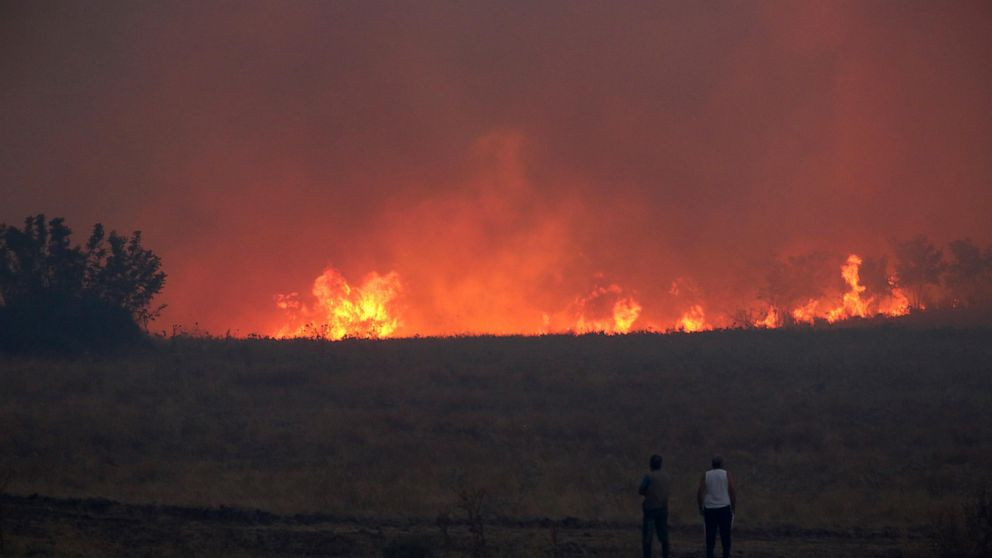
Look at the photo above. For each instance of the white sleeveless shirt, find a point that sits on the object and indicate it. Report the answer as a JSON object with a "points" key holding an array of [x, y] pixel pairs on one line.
{"points": [[717, 495]]}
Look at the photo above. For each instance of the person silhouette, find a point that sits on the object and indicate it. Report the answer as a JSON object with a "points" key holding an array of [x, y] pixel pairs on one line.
{"points": [[655, 487], [717, 503]]}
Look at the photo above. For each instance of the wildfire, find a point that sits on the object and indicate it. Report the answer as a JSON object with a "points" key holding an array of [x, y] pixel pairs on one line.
{"points": [[369, 309], [771, 319], [806, 314], [851, 305], [693, 319], [623, 313], [897, 305], [341, 309]]}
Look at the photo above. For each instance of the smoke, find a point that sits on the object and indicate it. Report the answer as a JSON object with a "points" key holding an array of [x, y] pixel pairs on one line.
{"points": [[508, 159]]}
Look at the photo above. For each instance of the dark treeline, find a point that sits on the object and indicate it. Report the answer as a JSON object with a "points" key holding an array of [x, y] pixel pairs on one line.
{"points": [[56, 297], [930, 277]]}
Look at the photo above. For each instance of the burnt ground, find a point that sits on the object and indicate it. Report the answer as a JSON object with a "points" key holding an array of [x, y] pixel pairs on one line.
{"points": [[42, 526]]}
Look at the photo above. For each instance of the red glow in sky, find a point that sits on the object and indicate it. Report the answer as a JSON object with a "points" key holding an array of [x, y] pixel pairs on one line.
{"points": [[520, 166]]}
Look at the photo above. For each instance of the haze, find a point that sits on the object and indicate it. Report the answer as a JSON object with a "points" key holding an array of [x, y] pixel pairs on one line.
{"points": [[505, 159]]}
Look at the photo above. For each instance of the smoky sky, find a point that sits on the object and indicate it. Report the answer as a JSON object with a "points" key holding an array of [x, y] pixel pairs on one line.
{"points": [[502, 157]]}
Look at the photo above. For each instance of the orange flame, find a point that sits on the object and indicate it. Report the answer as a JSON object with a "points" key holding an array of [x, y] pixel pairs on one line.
{"points": [[771, 319], [806, 314], [369, 309], [624, 312], [693, 319], [343, 310], [852, 305], [897, 304]]}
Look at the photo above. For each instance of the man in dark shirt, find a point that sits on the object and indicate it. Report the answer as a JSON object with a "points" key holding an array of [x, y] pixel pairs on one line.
{"points": [[655, 488]]}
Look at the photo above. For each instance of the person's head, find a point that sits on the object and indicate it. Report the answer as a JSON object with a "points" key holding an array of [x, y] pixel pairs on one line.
{"points": [[655, 462], [717, 462]]}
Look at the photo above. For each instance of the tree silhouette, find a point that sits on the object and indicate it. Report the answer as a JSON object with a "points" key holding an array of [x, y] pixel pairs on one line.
{"points": [[797, 279], [918, 266], [56, 297], [874, 277], [969, 273]]}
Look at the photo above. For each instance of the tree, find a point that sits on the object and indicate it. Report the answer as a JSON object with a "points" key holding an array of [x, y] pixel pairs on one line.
{"points": [[56, 297], [797, 279], [873, 275], [969, 273], [123, 274], [918, 266]]}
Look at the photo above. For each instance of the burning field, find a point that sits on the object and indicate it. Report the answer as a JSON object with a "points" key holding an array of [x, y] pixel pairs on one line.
{"points": [[401, 265], [374, 308], [485, 260], [349, 170]]}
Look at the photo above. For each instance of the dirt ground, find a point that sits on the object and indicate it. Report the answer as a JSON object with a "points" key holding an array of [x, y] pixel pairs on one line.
{"points": [[41, 526]]}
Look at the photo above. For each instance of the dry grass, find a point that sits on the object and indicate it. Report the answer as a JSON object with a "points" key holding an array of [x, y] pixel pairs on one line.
{"points": [[841, 429]]}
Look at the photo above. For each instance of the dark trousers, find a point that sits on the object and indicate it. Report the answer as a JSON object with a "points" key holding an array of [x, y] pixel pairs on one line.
{"points": [[718, 519], [655, 523]]}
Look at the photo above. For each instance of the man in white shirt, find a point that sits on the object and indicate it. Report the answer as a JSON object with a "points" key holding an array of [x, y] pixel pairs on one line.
{"points": [[717, 501]]}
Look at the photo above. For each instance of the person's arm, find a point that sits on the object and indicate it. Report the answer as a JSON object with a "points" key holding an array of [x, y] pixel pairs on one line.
{"points": [[644, 485], [733, 494], [700, 492]]}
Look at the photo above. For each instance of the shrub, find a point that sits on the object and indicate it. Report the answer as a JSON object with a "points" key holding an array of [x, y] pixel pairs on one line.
{"points": [[967, 533], [59, 298], [410, 546], [473, 502]]}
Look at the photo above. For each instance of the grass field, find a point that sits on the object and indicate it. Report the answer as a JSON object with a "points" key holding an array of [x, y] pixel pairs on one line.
{"points": [[877, 429]]}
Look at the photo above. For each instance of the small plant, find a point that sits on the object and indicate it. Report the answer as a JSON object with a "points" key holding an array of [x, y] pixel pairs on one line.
{"points": [[743, 318], [966, 533], [473, 503], [555, 546], [443, 522], [4, 481], [409, 547]]}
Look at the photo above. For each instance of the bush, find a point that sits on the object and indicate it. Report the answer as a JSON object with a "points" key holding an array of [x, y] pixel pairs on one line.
{"points": [[410, 546], [968, 533], [59, 298]]}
